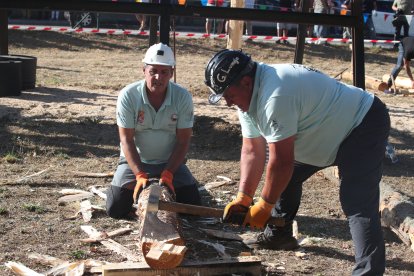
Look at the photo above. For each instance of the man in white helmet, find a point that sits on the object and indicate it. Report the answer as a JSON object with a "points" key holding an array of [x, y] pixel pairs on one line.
{"points": [[155, 120]]}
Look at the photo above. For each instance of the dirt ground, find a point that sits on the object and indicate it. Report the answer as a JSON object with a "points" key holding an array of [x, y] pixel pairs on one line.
{"points": [[66, 125]]}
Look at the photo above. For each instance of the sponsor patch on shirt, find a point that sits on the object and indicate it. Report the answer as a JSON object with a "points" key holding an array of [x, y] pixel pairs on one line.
{"points": [[141, 117]]}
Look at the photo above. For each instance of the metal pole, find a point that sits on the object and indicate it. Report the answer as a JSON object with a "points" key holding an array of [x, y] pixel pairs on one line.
{"points": [[301, 34], [4, 35], [165, 24], [153, 27], [358, 56]]}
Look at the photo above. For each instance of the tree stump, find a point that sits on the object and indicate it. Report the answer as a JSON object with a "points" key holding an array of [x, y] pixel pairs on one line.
{"points": [[160, 238]]}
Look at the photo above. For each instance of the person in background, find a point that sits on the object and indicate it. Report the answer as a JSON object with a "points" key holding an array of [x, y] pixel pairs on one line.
{"points": [[321, 6], [218, 22], [249, 4], [306, 129], [401, 8], [155, 119], [405, 55], [141, 17], [54, 15], [369, 9], [282, 28]]}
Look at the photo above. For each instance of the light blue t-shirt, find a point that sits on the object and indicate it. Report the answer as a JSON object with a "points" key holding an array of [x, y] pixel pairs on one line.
{"points": [[155, 132], [292, 99]]}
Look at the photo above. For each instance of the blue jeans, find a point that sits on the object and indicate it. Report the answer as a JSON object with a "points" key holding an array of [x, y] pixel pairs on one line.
{"points": [[120, 193], [400, 63], [320, 30], [359, 160]]}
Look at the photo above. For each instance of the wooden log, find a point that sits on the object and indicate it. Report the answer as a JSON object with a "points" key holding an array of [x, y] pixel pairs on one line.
{"points": [[400, 82], [370, 82], [250, 265], [159, 227], [397, 213]]}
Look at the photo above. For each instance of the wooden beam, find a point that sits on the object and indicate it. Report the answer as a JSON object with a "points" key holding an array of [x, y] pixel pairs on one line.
{"points": [[235, 28], [250, 265]]}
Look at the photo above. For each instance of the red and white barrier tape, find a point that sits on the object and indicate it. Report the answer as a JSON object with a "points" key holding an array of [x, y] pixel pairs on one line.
{"points": [[196, 35]]}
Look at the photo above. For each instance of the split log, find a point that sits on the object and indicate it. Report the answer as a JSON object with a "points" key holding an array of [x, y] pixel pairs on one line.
{"points": [[159, 227], [370, 82], [397, 213], [400, 82]]}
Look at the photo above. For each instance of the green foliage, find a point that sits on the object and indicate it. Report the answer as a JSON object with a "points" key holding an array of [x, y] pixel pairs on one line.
{"points": [[79, 254], [11, 157], [34, 208], [3, 211]]}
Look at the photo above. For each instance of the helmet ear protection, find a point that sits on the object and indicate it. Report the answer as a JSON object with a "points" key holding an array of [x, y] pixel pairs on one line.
{"points": [[159, 54], [223, 69]]}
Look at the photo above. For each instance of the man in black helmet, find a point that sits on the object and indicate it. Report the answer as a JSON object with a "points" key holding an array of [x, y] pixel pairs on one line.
{"points": [[308, 121]]}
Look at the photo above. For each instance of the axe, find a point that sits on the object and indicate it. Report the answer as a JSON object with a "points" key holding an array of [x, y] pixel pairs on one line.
{"points": [[155, 204]]}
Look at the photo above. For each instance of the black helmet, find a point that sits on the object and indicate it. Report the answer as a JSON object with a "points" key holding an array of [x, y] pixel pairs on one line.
{"points": [[223, 69]]}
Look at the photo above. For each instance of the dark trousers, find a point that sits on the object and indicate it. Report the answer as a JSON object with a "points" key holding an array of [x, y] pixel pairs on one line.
{"points": [[359, 161], [400, 64], [120, 193]]}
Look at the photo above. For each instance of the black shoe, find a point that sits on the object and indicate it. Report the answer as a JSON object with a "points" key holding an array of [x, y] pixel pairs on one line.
{"points": [[278, 242]]}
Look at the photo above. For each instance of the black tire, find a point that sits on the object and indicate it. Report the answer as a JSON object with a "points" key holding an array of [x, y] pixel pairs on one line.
{"points": [[10, 78], [28, 68]]}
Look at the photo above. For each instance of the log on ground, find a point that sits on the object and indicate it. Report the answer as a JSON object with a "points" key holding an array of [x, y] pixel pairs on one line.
{"points": [[158, 230]]}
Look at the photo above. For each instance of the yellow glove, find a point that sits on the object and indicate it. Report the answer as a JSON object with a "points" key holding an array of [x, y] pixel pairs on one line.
{"points": [[258, 214], [142, 181], [167, 180], [239, 205]]}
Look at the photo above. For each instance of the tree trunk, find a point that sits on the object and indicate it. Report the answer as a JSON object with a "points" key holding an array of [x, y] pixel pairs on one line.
{"points": [[160, 239]]}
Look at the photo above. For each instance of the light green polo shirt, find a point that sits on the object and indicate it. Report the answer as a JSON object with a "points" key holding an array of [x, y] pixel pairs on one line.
{"points": [[291, 99], [155, 132]]}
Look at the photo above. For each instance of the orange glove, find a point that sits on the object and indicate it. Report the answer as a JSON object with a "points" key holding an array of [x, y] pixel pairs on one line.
{"points": [[167, 180], [239, 205], [142, 181], [258, 214]]}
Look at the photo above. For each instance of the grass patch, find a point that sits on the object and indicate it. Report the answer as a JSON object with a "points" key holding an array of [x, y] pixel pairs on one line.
{"points": [[11, 157], [34, 208], [79, 254], [3, 211]]}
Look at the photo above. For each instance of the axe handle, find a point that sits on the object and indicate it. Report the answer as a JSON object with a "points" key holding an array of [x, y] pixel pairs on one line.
{"points": [[190, 209], [205, 211]]}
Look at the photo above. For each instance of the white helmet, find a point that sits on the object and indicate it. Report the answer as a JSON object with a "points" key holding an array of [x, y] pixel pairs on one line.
{"points": [[159, 54]]}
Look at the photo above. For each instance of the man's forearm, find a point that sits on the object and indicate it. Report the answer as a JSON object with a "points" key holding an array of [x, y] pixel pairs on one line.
{"points": [[251, 170], [177, 157], [277, 179]]}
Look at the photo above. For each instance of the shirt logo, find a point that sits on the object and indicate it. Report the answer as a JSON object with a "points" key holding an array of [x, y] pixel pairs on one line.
{"points": [[174, 117], [141, 116]]}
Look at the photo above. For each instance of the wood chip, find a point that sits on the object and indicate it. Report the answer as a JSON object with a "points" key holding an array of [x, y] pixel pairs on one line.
{"points": [[46, 259], [86, 210], [90, 174], [76, 197], [21, 270], [97, 192]]}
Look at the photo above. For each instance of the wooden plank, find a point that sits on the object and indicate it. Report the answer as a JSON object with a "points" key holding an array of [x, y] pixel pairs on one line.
{"points": [[248, 265], [400, 82]]}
